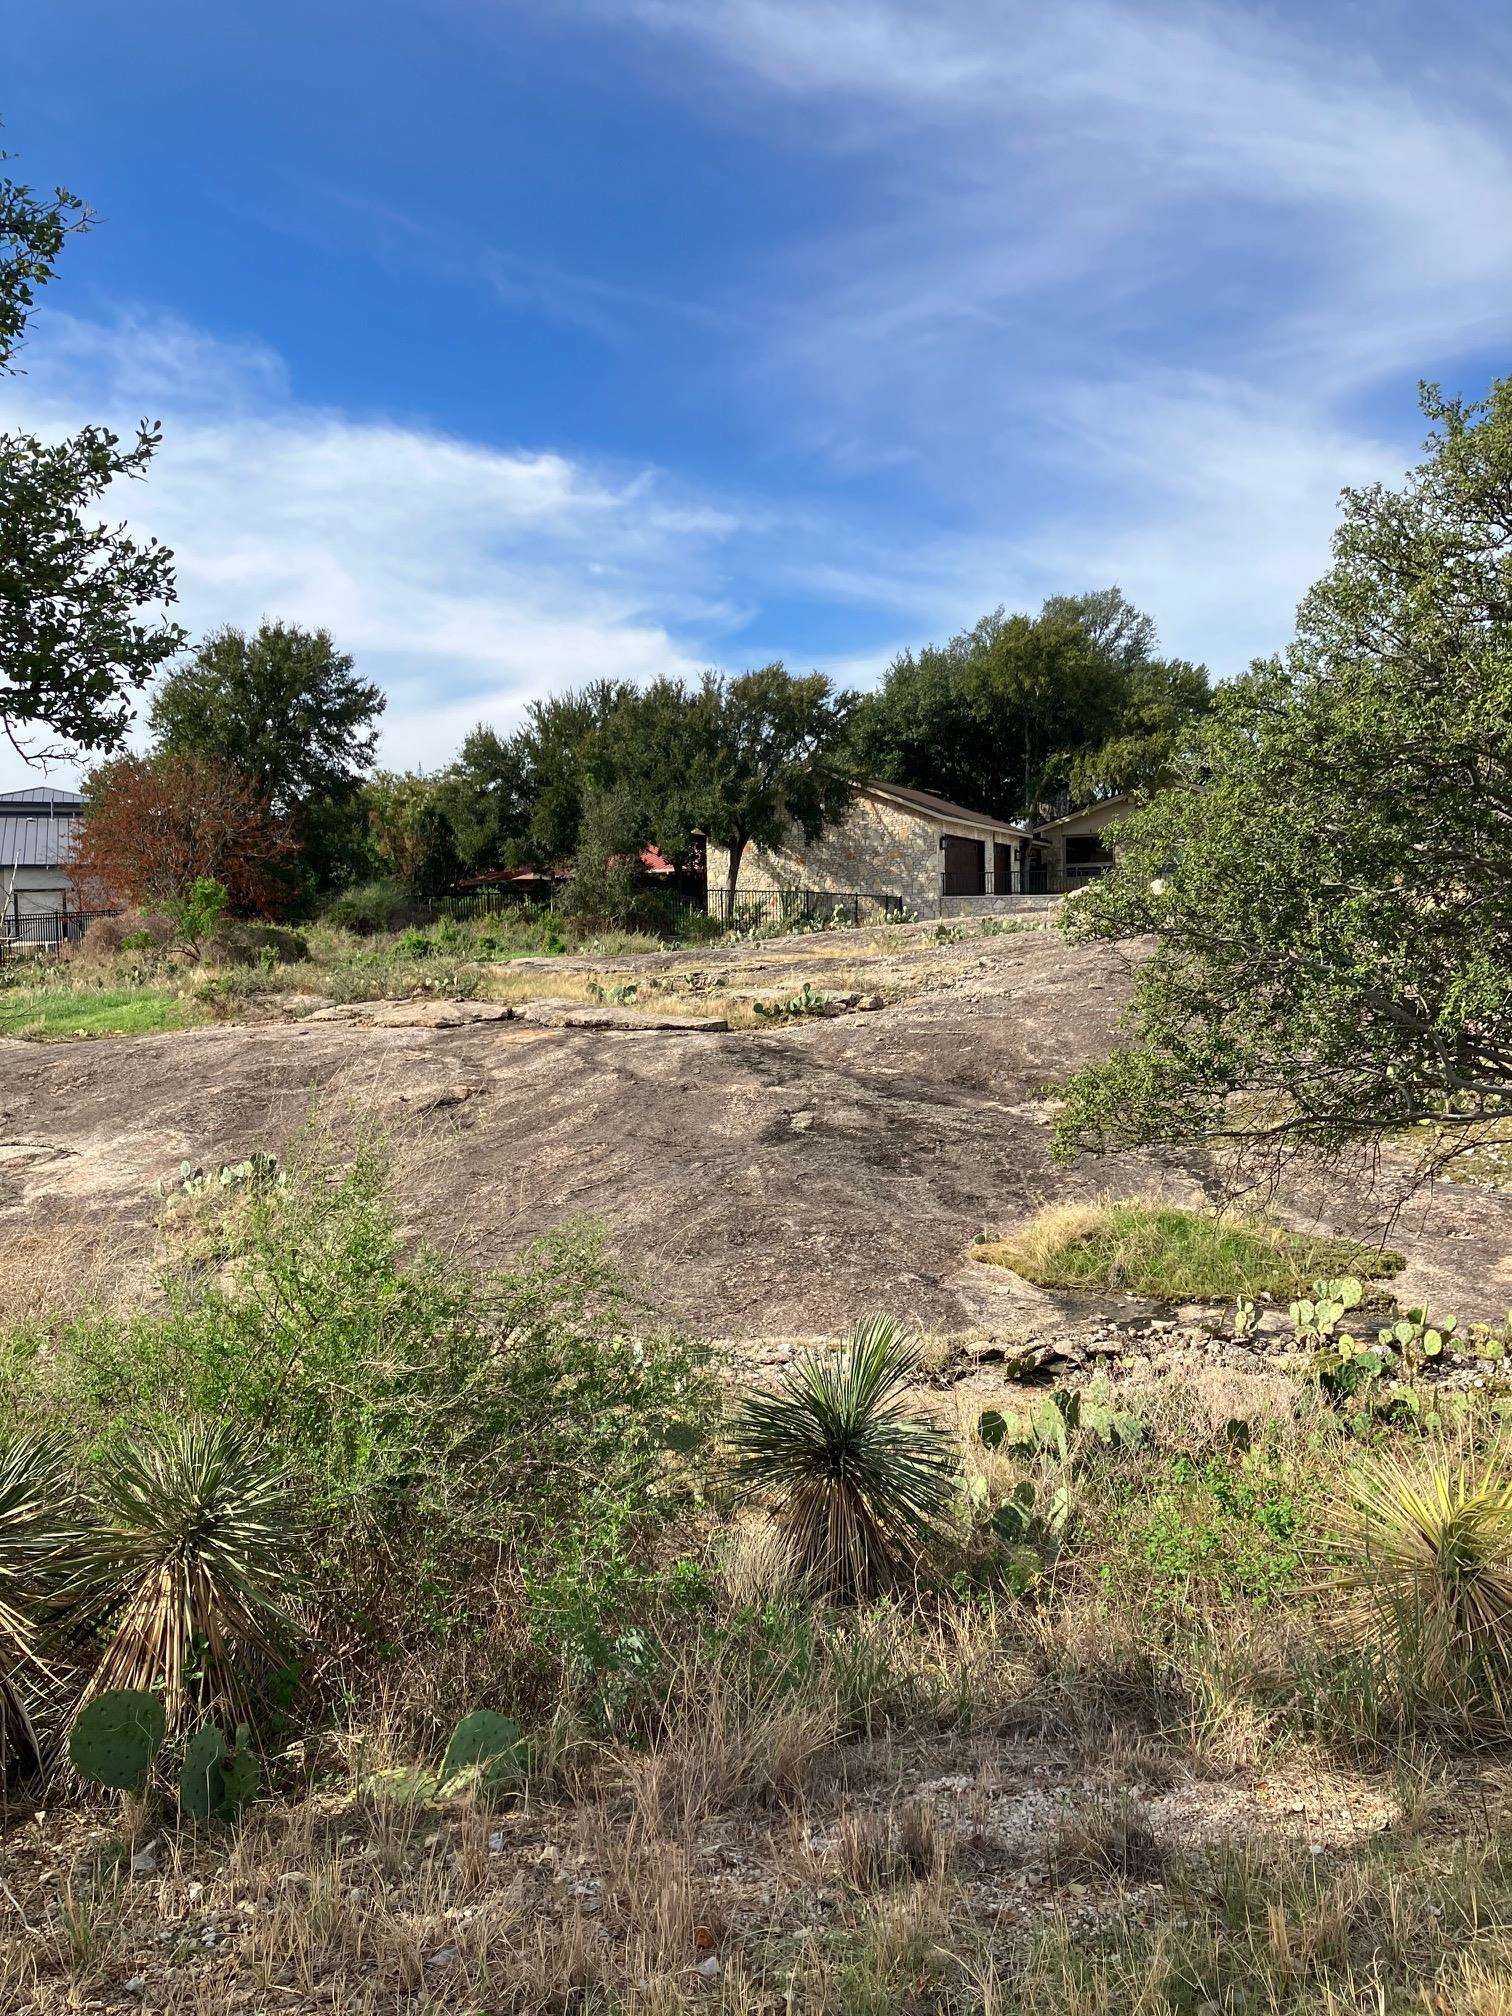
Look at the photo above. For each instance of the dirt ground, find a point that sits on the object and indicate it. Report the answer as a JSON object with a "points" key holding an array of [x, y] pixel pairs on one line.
{"points": [[769, 1183]]}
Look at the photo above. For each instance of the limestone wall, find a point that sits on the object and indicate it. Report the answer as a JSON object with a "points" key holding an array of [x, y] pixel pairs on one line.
{"points": [[877, 847]]}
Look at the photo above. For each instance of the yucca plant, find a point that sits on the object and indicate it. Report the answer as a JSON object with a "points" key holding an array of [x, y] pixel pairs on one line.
{"points": [[1422, 1557], [855, 1481], [37, 1536], [188, 1567]]}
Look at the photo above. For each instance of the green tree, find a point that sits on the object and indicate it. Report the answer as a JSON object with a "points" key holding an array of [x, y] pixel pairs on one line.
{"points": [[766, 751], [1022, 712], [410, 830], [78, 632], [490, 799], [283, 704], [608, 884], [1329, 883]]}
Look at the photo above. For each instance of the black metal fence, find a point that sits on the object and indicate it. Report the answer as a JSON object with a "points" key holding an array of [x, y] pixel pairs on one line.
{"points": [[25, 932]]}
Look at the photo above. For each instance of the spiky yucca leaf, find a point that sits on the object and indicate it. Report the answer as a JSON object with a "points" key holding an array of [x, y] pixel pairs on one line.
{"points": [[855, 1482], [37, 1535], [189, 1567], [1422, 1555]]}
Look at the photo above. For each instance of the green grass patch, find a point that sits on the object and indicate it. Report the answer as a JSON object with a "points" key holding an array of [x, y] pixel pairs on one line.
{"points": [[1174, 1255], [42, 1012]]}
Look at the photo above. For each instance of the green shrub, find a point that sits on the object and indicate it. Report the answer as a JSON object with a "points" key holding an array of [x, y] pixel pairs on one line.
{"points": [[856, 1482], [195, 915], [1233, 1528], [373, 906], [511, 1448]]}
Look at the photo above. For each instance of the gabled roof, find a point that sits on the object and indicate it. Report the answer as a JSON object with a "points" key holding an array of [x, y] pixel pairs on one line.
{"points": [[1097, 805], [36, 826], [934, 807], [39, 797]]}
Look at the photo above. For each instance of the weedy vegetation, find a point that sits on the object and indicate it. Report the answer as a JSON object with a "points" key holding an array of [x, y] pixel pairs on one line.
{"points": [[397, 1635]]}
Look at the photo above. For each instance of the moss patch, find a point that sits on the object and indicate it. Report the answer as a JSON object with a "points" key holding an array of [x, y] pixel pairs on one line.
{"points": [[1177, 1256]]}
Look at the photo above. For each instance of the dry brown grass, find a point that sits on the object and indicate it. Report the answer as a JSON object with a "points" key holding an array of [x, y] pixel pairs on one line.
{"points": [[52, 1272]]}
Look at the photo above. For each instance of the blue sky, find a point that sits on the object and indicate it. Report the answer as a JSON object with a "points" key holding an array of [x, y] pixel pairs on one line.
{"points": [[526, 343]]}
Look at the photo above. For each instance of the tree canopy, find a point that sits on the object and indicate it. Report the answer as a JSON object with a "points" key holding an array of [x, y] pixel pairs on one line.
{"points": [[769, 750], [1329, 882], [81, 627], [1022, 712], [155, 825], [283, 704], [741, 759]]}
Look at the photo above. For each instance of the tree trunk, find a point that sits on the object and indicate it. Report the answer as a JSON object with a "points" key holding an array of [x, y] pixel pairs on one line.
{"points": [[737, 848]]}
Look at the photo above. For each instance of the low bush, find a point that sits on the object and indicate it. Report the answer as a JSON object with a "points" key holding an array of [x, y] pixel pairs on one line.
{"points": [[374, 906], [127, 931], [1176, 1255], [242, 942], [515, 1450]]}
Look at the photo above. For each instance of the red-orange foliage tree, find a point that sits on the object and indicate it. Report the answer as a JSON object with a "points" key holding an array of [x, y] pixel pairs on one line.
{"points": [[154, 825]]}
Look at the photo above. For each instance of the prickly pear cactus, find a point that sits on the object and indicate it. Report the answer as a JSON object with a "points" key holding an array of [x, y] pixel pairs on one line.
{"points": [[200, 1774], [215, 1782], [115, 1738], [239, 1778], [487, 1744]]}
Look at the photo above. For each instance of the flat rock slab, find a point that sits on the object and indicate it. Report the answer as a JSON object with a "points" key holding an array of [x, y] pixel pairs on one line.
{"points": [[595, 1015], [422, 1014], [786, 1179]]}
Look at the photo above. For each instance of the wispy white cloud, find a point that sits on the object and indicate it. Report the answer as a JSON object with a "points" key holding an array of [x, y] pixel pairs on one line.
{"points": [[1132, 271], [467, 579]]}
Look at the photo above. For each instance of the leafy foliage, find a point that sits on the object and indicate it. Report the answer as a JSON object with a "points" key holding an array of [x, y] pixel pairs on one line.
{"points": [[410, 831], [1021, 711], [857, 1482], [155, 826], [77, 636], [1329, 882], [195, 914], [513, 1448], [283, 704], [770, 753]]}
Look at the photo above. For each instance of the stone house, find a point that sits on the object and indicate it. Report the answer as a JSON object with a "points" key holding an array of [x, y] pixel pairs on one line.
{"points": [[1067, 852], [938, 857]]}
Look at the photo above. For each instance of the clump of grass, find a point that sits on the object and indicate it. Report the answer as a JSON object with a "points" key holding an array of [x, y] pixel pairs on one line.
{"points": [[857, 1484], [1174, 1255], [1105, 1836], [54, 1011], [1421, 1554]]}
